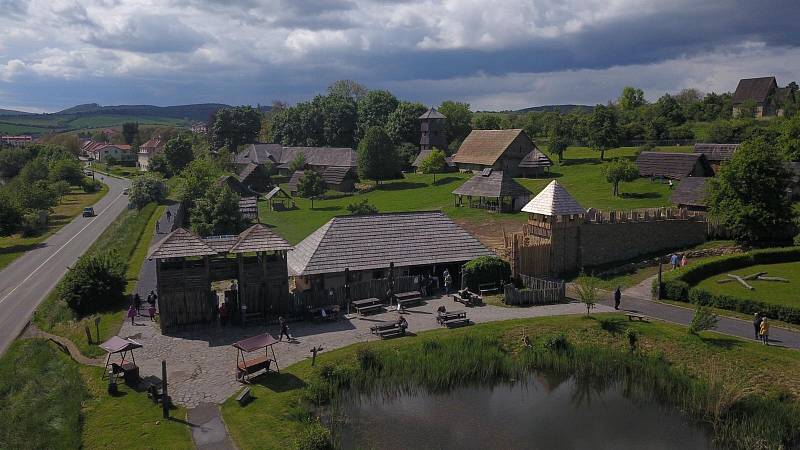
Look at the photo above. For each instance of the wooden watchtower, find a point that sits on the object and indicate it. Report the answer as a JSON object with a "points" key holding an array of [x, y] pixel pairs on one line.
{"points": [[432, 134]]}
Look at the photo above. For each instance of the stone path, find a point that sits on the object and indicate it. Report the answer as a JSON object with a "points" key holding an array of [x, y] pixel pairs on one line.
{"points": [[200, 364], [208, 429], [147, 274], [638, 299]]}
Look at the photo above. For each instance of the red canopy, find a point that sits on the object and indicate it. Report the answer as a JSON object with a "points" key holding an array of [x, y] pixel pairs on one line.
{"points": [[117, 344], [256, 342]]}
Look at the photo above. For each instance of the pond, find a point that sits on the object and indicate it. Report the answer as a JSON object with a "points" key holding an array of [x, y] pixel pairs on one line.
{"points": [[542, 412]]}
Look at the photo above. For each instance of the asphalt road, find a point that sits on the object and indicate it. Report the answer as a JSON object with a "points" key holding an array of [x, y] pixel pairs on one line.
{"points": [[28, 280]]}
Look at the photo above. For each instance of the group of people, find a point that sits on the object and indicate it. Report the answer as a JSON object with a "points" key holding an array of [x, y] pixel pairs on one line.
{"points": [[136, 306], [761, 328], [677, 261]]}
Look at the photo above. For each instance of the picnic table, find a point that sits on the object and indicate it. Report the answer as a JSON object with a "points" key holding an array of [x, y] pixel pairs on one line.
{"points": [[408, 298], [452, 319], [367, 305], [468, 298], [388, 330]]}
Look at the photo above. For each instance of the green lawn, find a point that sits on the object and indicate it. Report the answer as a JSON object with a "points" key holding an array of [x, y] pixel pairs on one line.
{"points": [[580, 173], [120, 171], [279, 414], [773, 292], [48, 401], [12, 247], [38, 124]]}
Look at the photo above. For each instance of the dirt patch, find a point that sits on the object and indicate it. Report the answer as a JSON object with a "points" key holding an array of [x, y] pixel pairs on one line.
{"points": [[490, 232]]}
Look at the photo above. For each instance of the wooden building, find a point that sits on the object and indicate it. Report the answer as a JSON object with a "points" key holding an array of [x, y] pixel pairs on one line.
{"points": [[341, 179], [501, 150], [673, 166], [492, 190], [280, 158], [432, 133], [187, 264], [255, 176], [415, 242], [716, 154], [535, 164], [765, 95], [691, 193]]}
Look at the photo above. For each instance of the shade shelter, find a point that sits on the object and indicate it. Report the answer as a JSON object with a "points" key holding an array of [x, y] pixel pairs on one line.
{"points": [[123, 347], [279, 200], [246, 367], [492, 190]]}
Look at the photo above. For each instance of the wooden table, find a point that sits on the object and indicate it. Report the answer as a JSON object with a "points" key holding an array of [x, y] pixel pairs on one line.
{"points": [[408, 298], [367, 305]]}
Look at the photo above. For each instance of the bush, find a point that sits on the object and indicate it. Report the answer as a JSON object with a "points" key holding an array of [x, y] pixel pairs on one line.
{"points": [[702, 320], [94, 283], [314, 437], [90, 185], [364, 207], [33, 223], [633, 339], [558, 343], [485, 270], [147, 188]]}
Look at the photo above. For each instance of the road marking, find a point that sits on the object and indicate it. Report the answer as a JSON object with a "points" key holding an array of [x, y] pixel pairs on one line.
{"points": [[60, 248]]}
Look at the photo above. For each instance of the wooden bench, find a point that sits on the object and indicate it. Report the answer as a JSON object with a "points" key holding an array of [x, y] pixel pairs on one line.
{"points": [[377, 329], [471, 299], [488, 288], [252, 366], [456, 322], [409, 298], [390, 332], [450, 315], [244, 397], [639, 317], [368, 305]]}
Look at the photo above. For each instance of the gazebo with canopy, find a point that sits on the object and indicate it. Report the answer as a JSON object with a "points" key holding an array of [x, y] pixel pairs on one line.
{"points": [[246, 367], [125, 348]]}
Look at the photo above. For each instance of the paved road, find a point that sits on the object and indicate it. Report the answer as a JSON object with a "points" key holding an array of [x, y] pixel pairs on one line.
{"points": [[28, 280], [637, 299]]}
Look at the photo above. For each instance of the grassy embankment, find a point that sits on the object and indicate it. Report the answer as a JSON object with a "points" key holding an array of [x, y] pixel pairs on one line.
{"points": [[71, 205], [774, 292], [37, 124], [49, 401], [129, 235], [753, 405], [120, 171], [580, 173]]}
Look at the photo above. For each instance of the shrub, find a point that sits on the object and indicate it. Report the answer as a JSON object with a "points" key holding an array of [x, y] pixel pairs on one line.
{"points": [[558, 343], [633, 339], [484, 270], [361, 208], [94, 283], [368, 360], [89, 185], [33, 223], [703, 320], [314, 437], [147, 188]]}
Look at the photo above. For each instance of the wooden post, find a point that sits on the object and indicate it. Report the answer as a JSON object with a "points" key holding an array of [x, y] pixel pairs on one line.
{"points": [[164, 396], [660, 267]]}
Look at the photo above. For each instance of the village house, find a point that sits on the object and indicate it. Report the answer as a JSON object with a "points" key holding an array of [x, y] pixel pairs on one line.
{"points": [[673, 166], [716, 154], [416, 243], [340, 161], [248, 200], [492, 190], [147, 150], [501, 150], [199, 128], [16, 141], [764, 94], [691, 193], [102, 152]]}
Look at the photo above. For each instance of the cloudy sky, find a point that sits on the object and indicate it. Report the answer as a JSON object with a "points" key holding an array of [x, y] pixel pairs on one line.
{"points": [[501, 54]]}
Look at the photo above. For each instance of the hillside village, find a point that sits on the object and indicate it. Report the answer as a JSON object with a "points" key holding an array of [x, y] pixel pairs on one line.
{"points": [[355, 218]]}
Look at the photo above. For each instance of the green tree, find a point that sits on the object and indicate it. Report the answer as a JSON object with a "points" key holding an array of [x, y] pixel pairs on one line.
{"points": [[36, 196], [458, 120], [338, 116], [489, 121], [362, 208], [159, 164], [374, 110], [129, 131], [178, 152], [588, 290], [749, 194], [217, 212], [195, 181], [347, 88], [235, 126], [147, 188], [310, 185], [667, 108], [618, 171], [297, 163], [703, 319], [407, 152], [403, 123], [720, 132], [10, 215], [36, 169], [68, 170], [789, 138], [433, 163], [602, 130], [12, 160], [377, 157], [559, 137], [95, 283], [631, 98], [747, 110]]}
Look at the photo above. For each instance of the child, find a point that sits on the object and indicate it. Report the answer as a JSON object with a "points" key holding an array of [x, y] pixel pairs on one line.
{"points": [[132, 314], [152, 312]]}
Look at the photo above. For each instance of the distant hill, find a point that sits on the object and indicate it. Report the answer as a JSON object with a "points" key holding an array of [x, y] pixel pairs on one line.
{"points": [[198, 112], [11, 112], [560, 108]]}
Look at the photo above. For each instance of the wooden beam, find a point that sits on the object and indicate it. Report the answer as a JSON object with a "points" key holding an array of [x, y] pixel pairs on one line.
{"points": [[742, 281]]}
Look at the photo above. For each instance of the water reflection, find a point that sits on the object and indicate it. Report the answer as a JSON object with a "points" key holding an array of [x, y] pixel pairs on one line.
{"points": [[545, 411]]}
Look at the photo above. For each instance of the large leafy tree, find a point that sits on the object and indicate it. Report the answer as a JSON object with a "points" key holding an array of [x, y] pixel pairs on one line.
{"points": [[310, 185], [602, 131], [347, 88], [403, 123], [559, 137], [178, 152], [94, 283], [129, 131], [195, 180], [489, 121], [618, 171], [338, 115], [458, 120], [66, 169], [236, 126], [631, 98], [374, 110], [749, 195], [147, 188], [433, 163], [217, 212], [789, 138], [12, 160], [10, 214], [298, 163], [377, 157]]}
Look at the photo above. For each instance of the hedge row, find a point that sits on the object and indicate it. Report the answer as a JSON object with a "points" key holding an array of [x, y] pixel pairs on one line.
{"points": [[677, 284]]}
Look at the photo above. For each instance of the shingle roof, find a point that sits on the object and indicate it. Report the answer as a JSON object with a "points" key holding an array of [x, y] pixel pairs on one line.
{"points": [[315, 156], [259, 154], [554, 200], [485, 147], [153, 145], [234, 184], [275, 191], [495, 185], [432, 113], [668, 164], [535, 159], [248, 170], [248, 206], [335, 175], [259, 238], [756, 89], [180, 244], [716, 152], [374, 241], [691, 191]]}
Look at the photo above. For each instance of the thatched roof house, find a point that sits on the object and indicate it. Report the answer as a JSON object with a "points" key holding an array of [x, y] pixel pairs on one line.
{"points": [[492, 190], [675, 166], [535, 164], [501, 150]]}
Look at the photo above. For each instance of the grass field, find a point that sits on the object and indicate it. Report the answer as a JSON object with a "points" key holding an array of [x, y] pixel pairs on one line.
{"points": [[773, 292], [47, 401], [38, 124], [580, 173], [278, 416], [12, 247], [129, 235]]}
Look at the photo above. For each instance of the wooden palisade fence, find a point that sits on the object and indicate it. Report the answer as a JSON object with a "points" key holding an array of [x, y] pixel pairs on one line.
{"points": [[536, 292]]}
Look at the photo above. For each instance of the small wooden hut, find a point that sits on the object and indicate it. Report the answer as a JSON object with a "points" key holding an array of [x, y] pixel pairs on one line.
{"points": [[279, 200], [492, 190]]}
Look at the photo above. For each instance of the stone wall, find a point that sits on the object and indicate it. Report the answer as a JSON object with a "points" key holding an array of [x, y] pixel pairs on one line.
{"points": [[604, 243]]}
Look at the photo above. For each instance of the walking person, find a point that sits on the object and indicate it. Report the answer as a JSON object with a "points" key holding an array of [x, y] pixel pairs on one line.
{"points": [[448, 280], [132, 314], [169, 215], [151, 311], [137, 302], [756, 326], [284, 329], [684, 261], [158, 226], [765, 330], [617, 298], [152, 298], [673, 261]]}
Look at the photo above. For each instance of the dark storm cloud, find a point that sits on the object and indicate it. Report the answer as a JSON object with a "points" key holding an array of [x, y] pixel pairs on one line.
{"points": [[149, 34]]}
